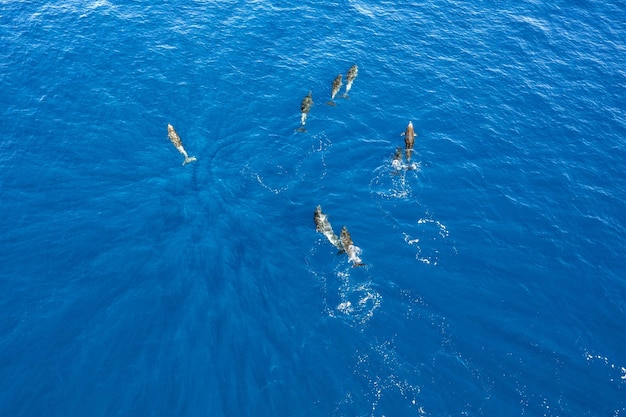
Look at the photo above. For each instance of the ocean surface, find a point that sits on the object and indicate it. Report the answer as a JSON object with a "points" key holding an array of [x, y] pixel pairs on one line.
{"points": [[494, 281]]}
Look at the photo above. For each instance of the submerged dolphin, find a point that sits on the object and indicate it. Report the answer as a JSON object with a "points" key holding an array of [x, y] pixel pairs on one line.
{"points": [[350, 76], [305, 107], [409, 140], [352, 251], [175, 139], [397, 158], [335, 89], [323, 226]]}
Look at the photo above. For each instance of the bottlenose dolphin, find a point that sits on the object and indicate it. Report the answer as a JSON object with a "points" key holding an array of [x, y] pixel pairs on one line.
{"points": [[352, 251], [409, 140], [323, 226], [335, 89], [350, 76], [305, 107], [175, 139]]}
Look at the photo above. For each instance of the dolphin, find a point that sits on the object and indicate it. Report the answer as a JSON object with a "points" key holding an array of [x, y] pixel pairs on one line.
{"points": [[305, 107], [409, 140], [323, 226], [335, 89], [175, 139], [350, 76], [352, 250], [397, 158]]}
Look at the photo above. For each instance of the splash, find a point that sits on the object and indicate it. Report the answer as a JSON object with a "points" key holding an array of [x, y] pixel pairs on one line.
{"points": [[343, 295], [395, 180], [358, 301], [430, 232], [621, 369]]}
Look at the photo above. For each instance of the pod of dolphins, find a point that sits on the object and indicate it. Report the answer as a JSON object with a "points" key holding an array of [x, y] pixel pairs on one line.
{"points": [[322, 225], [343, 242]]}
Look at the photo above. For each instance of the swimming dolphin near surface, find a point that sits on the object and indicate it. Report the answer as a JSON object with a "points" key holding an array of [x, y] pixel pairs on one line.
{"points": [[323, 226], [305, 107], [397, 158], [175, 139], [352, 251], [409, 141], [350, 76], [335, 89]]}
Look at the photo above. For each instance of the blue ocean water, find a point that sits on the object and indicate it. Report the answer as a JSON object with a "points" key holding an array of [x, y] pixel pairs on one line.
{"points": [[494, 281]]}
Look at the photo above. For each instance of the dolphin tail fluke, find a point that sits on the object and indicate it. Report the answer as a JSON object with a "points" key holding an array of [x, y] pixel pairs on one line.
{"points": [[332, 103], [189, 159], [355, 265]]}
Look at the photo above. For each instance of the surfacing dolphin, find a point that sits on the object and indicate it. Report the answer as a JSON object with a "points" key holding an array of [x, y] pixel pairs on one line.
{"points": [[350, 76], [335, 89], [175, 139], [305, 107], [352, 250], [409, 141], [323, 226]]}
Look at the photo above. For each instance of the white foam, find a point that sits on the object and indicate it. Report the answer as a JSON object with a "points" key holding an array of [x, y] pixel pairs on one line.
{"points": [[359, 301], [353, 254], [609, 363]]}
